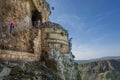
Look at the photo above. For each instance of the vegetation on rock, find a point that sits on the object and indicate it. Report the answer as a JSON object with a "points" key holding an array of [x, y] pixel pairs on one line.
{"points": [[100, 70]]}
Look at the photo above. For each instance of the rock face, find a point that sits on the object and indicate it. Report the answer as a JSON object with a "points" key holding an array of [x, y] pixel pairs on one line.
{"points": [[37, 49], [33, 32], [26, 14], [63, 65], [24, 11], [100, 70], [53, 66]]}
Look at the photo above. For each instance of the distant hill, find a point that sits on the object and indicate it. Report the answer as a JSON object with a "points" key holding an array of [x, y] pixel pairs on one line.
{"points": [[97, 59], [106, 68]]}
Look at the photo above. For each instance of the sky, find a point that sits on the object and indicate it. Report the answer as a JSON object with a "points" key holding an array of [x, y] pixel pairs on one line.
{"points": [[94, 26]]}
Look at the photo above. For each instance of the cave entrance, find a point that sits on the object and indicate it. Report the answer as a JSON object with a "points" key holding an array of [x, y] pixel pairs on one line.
{"points": [[36, 18]]}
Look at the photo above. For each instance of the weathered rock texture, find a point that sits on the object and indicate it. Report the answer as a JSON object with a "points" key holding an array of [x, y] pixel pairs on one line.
{"points": [[24, 10], [26, 13], [52, 66], [63, 65], [32, 32], [35, 39]]}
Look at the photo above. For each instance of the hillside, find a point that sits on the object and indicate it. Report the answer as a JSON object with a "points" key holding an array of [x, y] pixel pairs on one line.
{"points": [[97, 59], [101, 70]]}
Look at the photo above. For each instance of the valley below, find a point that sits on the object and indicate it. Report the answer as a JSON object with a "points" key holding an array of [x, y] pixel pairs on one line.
{"points": [[100, 69]]}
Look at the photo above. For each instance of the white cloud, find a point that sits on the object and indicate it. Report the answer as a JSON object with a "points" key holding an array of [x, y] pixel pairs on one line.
{"points": [[71, 20], [89, 51]]}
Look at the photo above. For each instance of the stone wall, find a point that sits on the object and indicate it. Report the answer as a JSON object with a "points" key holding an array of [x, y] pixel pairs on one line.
{"points": [[54, 37], [37, 43], [17, 56], [32, 32]]}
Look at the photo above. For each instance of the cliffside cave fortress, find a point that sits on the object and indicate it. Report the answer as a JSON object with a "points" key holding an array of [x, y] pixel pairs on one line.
{"points": [[33, 35]]}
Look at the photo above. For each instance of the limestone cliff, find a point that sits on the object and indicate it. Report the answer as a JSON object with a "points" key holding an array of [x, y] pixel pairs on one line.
{"points": [[27, 14], [24, 10], [37, 49], [53, 66]]}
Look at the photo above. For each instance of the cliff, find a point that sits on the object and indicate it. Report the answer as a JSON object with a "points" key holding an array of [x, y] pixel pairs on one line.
{"points": [[53, 66], [100, 70], [37, 49], [24, 10], [27, 14]]}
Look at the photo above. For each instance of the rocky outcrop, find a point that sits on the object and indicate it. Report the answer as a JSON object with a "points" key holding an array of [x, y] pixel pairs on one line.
{"points": [[37, 49], [63, 65], [27, 14], [31, 29], [52, 66], [100, 70], [24, 11]]}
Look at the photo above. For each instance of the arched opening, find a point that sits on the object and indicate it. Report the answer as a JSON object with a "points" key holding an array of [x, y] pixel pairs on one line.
{"points": [[36, 18]]}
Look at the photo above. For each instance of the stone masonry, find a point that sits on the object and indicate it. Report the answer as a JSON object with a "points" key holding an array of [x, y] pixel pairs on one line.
{"points": [[33, 33]]}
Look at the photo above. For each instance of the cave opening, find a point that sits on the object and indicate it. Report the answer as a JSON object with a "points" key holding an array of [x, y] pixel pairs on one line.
{"points": [[36, 18]]}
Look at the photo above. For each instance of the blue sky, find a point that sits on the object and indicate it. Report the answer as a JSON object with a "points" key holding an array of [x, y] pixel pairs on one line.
{"points": [[94, 26]]}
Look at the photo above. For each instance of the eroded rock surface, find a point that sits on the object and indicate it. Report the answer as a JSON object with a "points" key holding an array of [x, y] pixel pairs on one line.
{"points": [[27, 14], [29, 53], [52, 66]]}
